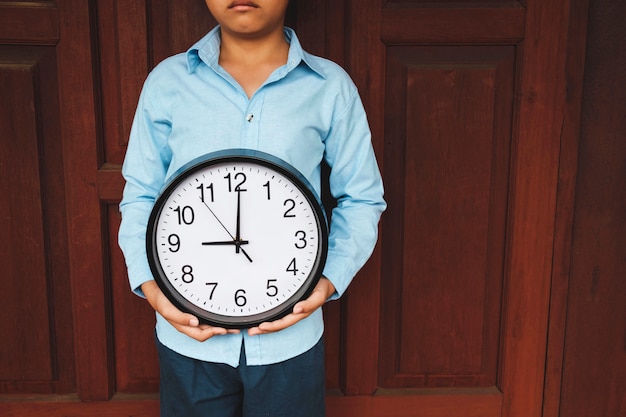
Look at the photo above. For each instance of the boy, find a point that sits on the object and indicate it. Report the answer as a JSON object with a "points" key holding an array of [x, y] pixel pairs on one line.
{"points": [[249, 84]]}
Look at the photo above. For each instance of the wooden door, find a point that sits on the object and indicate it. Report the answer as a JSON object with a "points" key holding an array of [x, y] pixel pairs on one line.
{"points": [[466, 100], [449, 318], [36, 347]]}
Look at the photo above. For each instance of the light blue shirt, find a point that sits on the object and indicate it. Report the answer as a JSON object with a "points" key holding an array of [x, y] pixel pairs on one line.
{"points": [[306, 111]]}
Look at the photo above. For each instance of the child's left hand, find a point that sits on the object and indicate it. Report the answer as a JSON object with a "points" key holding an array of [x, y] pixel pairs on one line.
{"points": [[322, 291]]}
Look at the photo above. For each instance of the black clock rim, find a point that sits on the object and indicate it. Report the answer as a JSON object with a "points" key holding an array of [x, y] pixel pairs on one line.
{"points": [[237, 155]]}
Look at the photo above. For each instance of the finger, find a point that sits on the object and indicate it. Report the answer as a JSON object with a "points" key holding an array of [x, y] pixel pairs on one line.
{"points": [[185, 323], [271, 327], [201, 333], [315, 301], [280, 324], [300, 311], [190, 325], [172, 314]]}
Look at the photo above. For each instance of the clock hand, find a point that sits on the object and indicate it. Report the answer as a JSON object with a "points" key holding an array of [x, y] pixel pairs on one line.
{"points": [[245, 253], [226, 242], [238, 241], [218, 220], [238, 227]]}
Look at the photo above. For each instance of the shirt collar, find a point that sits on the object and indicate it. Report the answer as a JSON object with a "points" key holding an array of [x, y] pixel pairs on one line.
{"points": [[207, 50]]}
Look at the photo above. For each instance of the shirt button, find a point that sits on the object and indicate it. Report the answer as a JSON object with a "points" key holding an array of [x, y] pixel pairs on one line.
{"points": [[250, 117]]}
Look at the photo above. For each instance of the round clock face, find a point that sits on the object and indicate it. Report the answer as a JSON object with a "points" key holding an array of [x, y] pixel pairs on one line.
{"points": [[237, 238]]}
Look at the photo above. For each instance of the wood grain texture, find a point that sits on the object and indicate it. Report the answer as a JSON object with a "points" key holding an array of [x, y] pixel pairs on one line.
{"points": [[594, 359], [444, 239], [469, 306], [36, 354], [539, 122], [90, 296]]}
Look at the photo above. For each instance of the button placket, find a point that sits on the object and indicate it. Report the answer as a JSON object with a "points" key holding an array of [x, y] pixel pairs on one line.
{"points": [[252, 118]]}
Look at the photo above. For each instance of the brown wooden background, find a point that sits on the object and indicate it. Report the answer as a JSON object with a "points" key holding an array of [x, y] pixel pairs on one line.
{"points": [[498, 285]]}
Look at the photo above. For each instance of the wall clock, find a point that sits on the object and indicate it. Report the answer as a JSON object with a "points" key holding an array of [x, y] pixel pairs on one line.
{"points": [[237, 238]]}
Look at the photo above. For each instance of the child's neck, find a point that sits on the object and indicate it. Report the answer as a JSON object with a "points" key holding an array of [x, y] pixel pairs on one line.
{"points": [[251, 61]]}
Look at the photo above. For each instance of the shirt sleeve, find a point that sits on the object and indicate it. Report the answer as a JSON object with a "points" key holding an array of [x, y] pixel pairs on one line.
{"points": [[356, 184], [145, 167]]}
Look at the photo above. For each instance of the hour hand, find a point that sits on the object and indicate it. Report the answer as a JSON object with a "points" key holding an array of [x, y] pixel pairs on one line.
{"points": [[226, 242], [237, 244]]}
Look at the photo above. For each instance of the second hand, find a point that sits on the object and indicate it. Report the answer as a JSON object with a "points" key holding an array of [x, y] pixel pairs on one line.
{"points": [[235, 240]]}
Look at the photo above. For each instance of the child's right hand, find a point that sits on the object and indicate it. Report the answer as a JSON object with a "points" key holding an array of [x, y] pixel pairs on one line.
{"points": [[183, 322]]}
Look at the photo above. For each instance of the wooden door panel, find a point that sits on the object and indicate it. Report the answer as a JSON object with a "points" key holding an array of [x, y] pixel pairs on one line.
{"points": [[122, 68], [36, 352], [448, 136], [455, 22], [33, 22], [469, 160], [23, 242]]}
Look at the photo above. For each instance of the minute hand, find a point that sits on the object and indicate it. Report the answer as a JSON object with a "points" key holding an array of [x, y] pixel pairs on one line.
{"points": [[238, 227], [237, 240]]}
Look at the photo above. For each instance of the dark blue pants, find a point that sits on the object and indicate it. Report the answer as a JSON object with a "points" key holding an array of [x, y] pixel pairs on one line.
{"points": [[194, 388]]}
